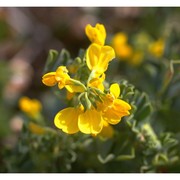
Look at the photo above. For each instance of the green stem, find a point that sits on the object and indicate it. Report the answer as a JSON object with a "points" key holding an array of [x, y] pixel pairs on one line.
{"points": [[168, 76], [88, 102]]}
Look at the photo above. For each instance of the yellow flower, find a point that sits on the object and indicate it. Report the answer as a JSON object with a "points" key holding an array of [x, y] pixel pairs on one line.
{"points": [[31, 107], [113, 108], [92, 121], [96, 34], [62, 78], [71, 120], [36, 129], [98, 58], [157, 48], [121, 46]]}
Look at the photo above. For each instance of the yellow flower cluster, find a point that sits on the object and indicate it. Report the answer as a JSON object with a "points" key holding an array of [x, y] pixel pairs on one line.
{"points": [[96, 107], [143, 44]]}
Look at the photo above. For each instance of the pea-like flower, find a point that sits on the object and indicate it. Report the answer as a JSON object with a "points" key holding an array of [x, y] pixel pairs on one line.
{"points": [[62, 78], [113, 109], [96, 34], [71, 120], [98, 58]]}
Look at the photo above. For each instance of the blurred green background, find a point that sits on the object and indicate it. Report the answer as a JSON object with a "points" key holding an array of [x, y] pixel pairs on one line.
{"points": [[27, 35]]}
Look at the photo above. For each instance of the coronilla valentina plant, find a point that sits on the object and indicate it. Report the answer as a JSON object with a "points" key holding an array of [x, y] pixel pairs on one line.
{"points": [[102, 111], [95, 106]]}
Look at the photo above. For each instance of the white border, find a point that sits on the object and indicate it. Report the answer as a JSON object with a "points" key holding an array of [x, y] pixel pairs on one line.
{"points": [[90, 176], [91, 3]]}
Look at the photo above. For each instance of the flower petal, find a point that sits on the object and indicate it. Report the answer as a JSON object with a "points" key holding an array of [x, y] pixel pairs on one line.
{"points": [[115, 90], [49, 79], [122, 106], [116, 111], [102, 30], [111, 117], [90, 122], [106, 55], [67, 120], [92, 56]]}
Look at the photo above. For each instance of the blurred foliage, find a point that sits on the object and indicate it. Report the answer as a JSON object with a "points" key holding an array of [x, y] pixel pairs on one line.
{"points": [[4, 77], [146, 141]]}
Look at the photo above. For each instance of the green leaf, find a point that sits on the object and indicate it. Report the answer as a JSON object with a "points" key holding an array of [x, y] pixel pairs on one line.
{"points": [[104, 147], [52, 57], [126, 156], [63, 57], [160, 159], [143, 112], [81, 53], [56, 59], [139, 101], [108, 158]]}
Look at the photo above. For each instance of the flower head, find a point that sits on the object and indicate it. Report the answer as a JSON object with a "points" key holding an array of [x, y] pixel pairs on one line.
{"points": [[93, 120], [96, 34], [94, 109]]}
